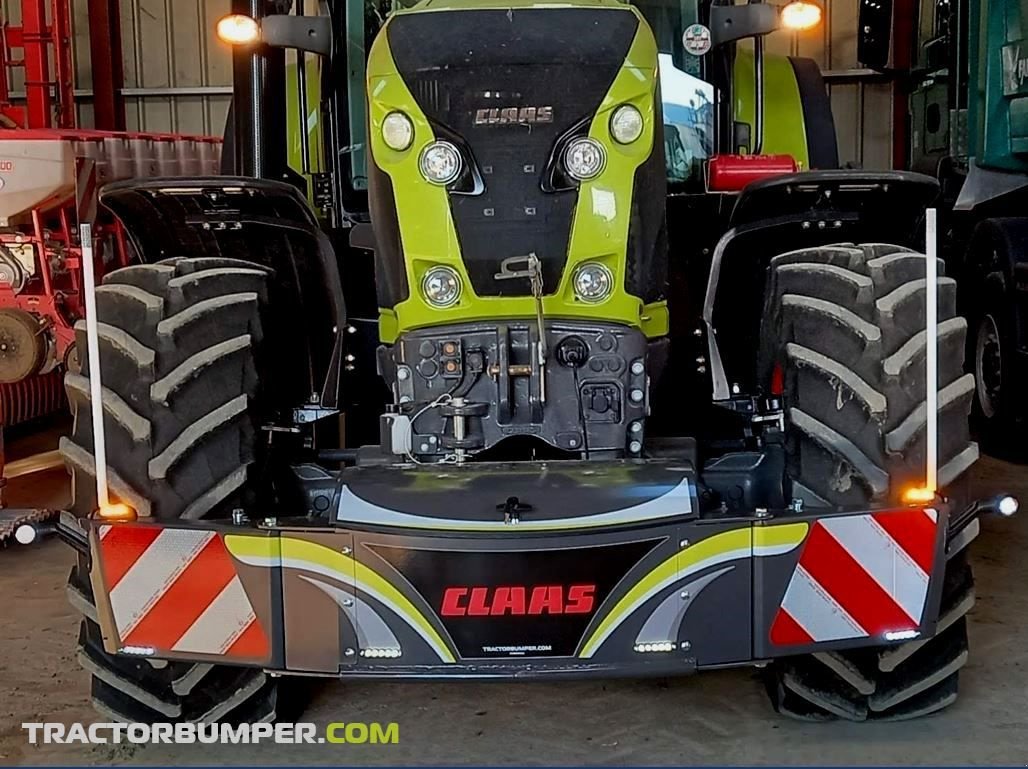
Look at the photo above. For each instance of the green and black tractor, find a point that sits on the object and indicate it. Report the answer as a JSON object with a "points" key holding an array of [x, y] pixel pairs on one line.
{"points": [[523, 340], [969, 129]]}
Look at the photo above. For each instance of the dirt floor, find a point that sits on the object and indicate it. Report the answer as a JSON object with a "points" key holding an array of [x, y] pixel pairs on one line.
{"points": [[714, 718]]}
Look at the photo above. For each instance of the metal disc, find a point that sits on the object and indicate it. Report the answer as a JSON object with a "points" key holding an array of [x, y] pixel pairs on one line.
{"points": [[22, 345]]}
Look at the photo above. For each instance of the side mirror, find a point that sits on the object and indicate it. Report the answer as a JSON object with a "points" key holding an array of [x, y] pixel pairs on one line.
{"points": [[874, 34], [729, 23], [737, 22], [304, 33]]}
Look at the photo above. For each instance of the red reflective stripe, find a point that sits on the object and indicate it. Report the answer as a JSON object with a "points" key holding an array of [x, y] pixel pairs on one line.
{"points": [[778, 380], [186, 599], [122, 547], [251, 644], [914, 532], [786, 631], [843, 578]]}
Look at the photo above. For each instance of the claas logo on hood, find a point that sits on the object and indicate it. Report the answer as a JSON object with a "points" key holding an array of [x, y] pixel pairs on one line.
{"points": [[513, 115]]}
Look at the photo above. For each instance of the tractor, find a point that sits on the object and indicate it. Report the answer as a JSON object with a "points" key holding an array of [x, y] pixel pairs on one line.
{"points": [[523, 340], [967, 94]]}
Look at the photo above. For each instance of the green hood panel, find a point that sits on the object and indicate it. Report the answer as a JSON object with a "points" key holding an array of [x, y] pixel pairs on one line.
{"points": [[601, 217]]}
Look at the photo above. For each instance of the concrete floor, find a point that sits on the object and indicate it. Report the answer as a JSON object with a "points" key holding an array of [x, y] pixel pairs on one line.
{"points": [[713, 718]]}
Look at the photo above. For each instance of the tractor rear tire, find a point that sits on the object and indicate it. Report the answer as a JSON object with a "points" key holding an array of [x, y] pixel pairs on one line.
{"points": [[844, 334], [179, 342]]}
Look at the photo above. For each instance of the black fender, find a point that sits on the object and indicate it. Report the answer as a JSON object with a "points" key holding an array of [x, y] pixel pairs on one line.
{"points": [[818, 119], [256, 220], [803, 210]]}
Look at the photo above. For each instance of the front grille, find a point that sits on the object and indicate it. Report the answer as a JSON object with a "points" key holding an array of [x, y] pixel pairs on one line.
{"points": [[563, 58]]}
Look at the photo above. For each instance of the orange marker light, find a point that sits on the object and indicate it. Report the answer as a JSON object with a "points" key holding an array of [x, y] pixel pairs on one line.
{"points": [[799, 16], [117, 512], [238, 29], [918, 495]]}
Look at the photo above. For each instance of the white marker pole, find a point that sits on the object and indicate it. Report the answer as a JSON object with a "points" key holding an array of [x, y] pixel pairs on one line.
{"points": [[932, 352], [93, 351]]}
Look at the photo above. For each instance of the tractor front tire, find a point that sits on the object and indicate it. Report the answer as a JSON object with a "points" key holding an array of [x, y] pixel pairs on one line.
{"points": [[178, 346], [844, 335]]}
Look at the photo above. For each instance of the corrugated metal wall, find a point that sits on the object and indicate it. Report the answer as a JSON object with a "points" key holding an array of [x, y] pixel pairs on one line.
{"points": [[862, 103], [178, 76]]}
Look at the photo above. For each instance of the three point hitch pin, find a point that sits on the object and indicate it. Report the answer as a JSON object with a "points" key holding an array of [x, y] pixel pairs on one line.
{"points": [[533, 270]]}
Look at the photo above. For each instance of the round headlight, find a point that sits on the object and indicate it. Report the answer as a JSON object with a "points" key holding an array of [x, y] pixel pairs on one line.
{"points": [[626, 124], [584, 158], [593, 282], [440, 162], [441, 286], [397, 131]]}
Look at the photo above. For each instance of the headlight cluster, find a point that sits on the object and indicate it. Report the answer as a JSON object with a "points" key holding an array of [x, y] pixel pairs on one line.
{"points": [[440, 162], [584, 158]]}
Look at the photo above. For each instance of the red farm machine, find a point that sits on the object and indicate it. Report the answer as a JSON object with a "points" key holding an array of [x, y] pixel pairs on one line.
{"points": [[50, 172], [49, 180]]}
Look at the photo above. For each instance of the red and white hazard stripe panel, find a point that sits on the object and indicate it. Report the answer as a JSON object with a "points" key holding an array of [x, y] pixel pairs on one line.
{"points": [[177, 590], [859, 576]]}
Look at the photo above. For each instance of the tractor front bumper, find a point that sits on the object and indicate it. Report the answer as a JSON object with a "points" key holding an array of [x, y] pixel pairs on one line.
{"points": [[498, 571]]}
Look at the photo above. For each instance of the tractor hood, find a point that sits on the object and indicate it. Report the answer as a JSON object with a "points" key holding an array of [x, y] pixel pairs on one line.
{"points": [[511, 99]]}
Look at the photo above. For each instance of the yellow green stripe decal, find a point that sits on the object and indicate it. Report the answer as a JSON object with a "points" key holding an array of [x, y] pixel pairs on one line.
{"points": [[778, 539], [721, 548], [303, 554], [727, 546]]}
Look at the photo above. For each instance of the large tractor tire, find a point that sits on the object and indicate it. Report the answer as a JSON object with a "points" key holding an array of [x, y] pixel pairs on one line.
{"points": [[844, 338], [178, 347]]}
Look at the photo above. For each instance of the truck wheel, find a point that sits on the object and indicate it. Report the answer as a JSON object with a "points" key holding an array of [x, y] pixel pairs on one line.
{"points": [[844, 339], [992, 341], [178, 341], [992, 344]]}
